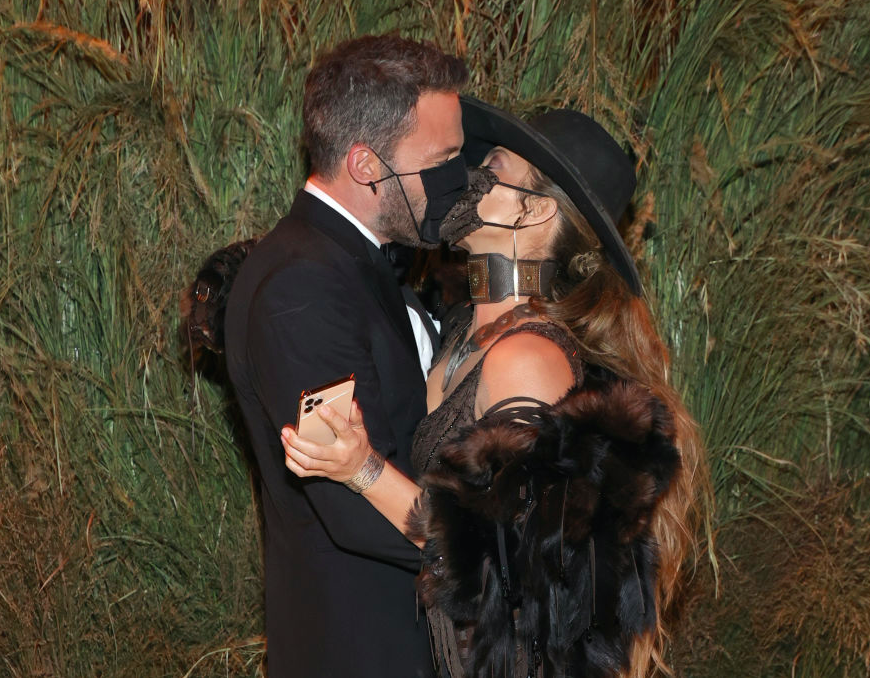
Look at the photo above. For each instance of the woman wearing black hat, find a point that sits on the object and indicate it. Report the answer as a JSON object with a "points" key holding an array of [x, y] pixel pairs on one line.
{"points": [[557, 465]]}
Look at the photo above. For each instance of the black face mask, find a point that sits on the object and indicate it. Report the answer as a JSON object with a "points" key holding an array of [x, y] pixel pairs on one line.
{"points": [[443, 185], [463, 218]]}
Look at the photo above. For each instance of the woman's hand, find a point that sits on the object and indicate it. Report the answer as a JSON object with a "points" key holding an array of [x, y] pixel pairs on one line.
{"points": [[391, 492], [339, 461]]}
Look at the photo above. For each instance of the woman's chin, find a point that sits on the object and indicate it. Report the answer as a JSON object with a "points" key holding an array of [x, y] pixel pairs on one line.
{"points": [[480, 242]]}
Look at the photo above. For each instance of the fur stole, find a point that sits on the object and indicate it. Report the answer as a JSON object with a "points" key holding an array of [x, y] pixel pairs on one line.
{"points": [[538, 535]]}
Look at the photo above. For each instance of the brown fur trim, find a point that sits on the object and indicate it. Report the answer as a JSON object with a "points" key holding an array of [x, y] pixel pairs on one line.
{"points": [[574, 497]]}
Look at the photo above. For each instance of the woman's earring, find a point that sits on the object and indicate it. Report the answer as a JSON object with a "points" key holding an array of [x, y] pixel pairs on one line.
{"points": [[516, 269]]}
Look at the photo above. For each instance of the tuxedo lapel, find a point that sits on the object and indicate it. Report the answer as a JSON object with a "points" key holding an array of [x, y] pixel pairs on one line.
{"points": [[391, 294], [376, 271]]}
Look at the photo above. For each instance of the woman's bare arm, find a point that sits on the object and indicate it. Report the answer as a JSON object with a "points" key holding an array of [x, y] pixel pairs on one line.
{"points": [[393, 494], [524, 365]]}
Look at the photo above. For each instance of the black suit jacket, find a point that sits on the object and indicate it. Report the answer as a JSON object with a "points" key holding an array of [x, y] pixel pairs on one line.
{"points": [[310, 306]]}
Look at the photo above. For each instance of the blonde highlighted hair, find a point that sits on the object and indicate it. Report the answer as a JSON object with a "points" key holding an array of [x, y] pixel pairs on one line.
{"points": [[615, 329]]}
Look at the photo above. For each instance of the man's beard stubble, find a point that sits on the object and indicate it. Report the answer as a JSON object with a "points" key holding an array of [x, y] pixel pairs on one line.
{"points": [[394, 222]]}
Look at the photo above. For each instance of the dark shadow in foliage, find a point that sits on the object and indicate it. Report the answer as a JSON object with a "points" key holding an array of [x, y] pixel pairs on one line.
{"points": [[795, 581], [203, 306]]}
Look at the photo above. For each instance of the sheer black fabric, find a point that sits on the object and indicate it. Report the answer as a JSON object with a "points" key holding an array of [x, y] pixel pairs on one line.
{"points": [[456, 412]]}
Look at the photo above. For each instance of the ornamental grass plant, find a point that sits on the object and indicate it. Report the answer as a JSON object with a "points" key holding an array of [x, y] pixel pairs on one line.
{"points": [[139, 135]]}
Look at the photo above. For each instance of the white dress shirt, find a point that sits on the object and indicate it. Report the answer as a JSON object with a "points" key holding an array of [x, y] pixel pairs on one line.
{"points": [[421, 336]]}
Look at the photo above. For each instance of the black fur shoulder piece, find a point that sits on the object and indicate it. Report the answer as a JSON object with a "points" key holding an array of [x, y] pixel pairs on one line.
{"points": [[538, 536], [204, 302]]}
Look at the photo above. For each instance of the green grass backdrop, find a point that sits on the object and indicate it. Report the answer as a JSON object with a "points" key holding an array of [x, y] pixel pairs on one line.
{"points": [[139, 135]]}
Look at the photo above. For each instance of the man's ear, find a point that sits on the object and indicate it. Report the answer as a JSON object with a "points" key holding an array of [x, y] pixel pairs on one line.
{"points": [[363, 165], [538, 210]]}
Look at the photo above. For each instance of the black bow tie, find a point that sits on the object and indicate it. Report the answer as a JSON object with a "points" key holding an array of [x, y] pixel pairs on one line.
{"points": [[388, 249], [399, 257]]}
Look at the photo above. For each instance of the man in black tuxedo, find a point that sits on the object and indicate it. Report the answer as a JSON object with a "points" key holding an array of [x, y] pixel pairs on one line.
{"points": [[316, 301]]}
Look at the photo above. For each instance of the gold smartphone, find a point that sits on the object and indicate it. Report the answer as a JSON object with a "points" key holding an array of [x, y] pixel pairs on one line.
{"points": [[339, 396]]}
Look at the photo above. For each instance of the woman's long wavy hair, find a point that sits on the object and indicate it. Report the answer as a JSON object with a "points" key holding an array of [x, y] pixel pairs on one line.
{"points": [[615, 330]]}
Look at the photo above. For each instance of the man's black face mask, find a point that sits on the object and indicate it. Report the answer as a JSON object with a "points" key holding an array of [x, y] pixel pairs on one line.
{"points": [[442, 184]]}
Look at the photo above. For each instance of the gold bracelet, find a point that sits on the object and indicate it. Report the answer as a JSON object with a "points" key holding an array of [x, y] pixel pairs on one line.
{"points": [[368, 473]]}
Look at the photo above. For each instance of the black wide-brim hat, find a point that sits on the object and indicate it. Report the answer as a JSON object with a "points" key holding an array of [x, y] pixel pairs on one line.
{"points": [[576, 153]]}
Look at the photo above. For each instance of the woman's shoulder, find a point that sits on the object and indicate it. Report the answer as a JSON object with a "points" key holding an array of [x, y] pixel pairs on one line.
{"points": [[527, 347], [525, 363]]}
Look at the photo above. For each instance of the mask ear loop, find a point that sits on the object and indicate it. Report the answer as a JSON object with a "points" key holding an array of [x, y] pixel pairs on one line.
{"points": [[521, 189], [374, 186]]}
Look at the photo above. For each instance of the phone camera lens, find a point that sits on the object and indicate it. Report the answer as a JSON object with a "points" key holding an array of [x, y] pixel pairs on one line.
{"points": [[309, 402], [318, 402], [308, 409]]}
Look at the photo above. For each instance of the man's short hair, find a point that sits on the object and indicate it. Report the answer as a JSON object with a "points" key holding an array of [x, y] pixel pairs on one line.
{"points": [[365, 91]]}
